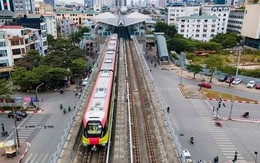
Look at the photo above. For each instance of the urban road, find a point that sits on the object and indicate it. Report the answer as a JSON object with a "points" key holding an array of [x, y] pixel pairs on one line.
{"points": [[195, 117]]}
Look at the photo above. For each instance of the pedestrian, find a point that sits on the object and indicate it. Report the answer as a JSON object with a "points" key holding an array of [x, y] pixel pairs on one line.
{"points": [[3, 127], [199, 161], [74, 107], [213, 109], [168, 109], [76, 94]]}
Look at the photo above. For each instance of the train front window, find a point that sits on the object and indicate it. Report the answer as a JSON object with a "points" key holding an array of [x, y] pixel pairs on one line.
{"points": [[94, 129]]}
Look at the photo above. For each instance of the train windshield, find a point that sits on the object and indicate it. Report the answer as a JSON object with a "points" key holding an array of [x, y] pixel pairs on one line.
{"points": [[94, 129]]}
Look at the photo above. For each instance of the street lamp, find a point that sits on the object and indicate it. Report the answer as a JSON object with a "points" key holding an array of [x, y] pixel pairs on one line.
{"points": [[37, 93]]}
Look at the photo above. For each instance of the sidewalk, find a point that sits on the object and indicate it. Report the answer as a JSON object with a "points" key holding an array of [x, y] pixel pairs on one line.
{"points": [[22, 150]]}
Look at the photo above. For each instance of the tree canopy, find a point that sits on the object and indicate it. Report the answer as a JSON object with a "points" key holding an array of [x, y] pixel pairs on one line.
{"points": [[169, 30], [227, 40], [195, 69], [4, 88], [214, 62]]}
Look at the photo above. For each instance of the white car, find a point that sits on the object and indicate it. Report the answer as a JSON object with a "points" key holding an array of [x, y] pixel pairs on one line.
{"points": [[84, 81], [251, 84], [187, 156], [236, 81]]}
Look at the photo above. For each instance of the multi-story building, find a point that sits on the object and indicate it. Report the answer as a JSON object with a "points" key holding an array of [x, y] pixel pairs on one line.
{"points": [[7, 5], [235, 21], [222, 12], [251, 26], [202, 28], [5, 55], [65, 27], [43, 8], [37, 22], [51, 24], [21, 41], [78, 17], [181, 11], [51, 2], [6, 16], [24, 6]]}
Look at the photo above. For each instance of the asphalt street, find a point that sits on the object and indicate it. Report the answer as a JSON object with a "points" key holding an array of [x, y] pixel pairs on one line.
{"points": [[31, 129], [194, 117]]}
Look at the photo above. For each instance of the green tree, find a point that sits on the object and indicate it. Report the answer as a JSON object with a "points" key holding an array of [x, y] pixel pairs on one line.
{"points": [[76, 36], [229, 42], [230, 70], [214, 62], [56, 75], [169, 30], [79, 65], [177, 44], [4, 88], [195, 69], [30, 60]]}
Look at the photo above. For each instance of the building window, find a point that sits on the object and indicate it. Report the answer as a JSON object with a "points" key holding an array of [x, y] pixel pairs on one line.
{"points": [[198, 26], [204, 35], [2, 44], [197, 35], [197, 30], [16, 51], [182, 26], [3, 53], [4, 63], [17, 42], [212, 30]]}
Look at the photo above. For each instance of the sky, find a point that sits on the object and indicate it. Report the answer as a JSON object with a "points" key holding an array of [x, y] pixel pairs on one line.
{"points": [[68, 1]]}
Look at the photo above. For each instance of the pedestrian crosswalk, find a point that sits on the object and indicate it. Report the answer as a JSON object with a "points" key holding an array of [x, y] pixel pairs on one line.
{"points": [[37, 157], [29, 127], [167, 89], [220, 137]]}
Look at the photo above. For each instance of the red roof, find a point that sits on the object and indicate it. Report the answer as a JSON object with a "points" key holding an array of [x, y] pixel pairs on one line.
{"points": [[11, 26]]}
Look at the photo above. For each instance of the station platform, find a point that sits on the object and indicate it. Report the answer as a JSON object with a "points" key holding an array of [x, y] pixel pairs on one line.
{"points": [[22, 150]]}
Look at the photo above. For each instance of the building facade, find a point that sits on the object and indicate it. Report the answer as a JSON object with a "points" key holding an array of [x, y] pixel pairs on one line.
{"points": [[51, 2], [24, 6], [251, 26], [222, 12], [7, 5], [202, 28], [65, 27], [5, 55], [235, 21], [181, 11], [43, 8], [51, 24]]}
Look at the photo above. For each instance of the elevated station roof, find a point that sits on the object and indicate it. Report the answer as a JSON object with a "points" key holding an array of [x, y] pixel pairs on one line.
{"points": [[126, 20]]}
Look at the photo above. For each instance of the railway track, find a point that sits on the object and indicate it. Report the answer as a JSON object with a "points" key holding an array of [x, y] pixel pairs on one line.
{"points": [[91, 156], [141, 109]]}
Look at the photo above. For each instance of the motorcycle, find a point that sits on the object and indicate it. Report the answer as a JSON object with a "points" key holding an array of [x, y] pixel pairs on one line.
{"points": [[61, 91], [218, 123], [245, 115], [192, 139], [64, 111], [216, 159]]}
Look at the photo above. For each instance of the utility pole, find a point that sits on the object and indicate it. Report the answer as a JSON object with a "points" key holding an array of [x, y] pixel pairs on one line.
{"points": [[15, 125], [232, 101], [37, 94]]}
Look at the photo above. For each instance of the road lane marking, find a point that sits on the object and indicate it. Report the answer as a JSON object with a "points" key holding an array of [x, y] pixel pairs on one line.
{"points": [[29, 158], [45, 157]]}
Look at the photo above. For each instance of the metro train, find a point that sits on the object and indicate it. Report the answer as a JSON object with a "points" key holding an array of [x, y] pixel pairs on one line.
{"points": [[98, 113]]}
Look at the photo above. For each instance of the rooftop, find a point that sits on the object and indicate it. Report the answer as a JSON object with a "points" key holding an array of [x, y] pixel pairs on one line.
{"points": [[11, 27]]}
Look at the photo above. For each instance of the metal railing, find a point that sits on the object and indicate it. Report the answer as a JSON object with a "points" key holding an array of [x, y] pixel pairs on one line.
{"points": [[163, 107]]}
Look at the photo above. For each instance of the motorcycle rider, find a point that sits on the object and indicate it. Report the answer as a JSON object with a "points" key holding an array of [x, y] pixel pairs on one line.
{"points": [[192, 139]]}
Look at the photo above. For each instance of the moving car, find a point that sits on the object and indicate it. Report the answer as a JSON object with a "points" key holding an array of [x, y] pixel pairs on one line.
{"points": [[251, 84], [257, 86], [205, 85], [236, 81], [187, 156], [222, 78], [229, 80]]}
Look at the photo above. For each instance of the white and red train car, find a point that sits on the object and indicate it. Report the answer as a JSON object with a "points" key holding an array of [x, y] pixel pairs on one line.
{"points": [[97, 116]]}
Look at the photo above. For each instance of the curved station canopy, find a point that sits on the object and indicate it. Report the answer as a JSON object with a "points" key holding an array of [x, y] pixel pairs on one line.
{"points": [[122, 20]]}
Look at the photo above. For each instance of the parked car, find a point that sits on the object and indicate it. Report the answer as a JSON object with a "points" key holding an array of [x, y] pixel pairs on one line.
{"points": [[187, 156], [257, 86], [222, 78], [11, 115], [205, 85], [230, 80], [251, 84], [236, 81], [84, 81], [21, 113]]}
